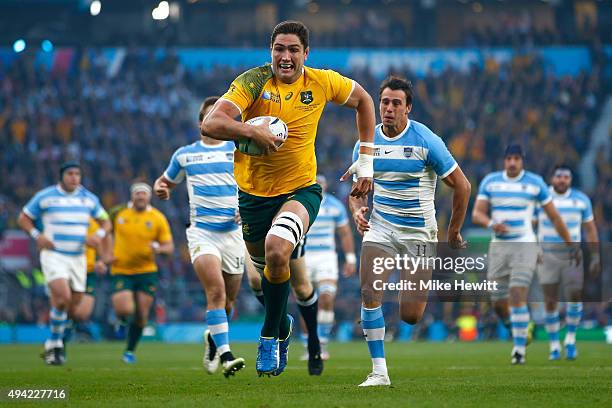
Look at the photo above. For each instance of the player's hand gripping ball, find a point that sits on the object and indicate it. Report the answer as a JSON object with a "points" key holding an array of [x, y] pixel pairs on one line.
{"points": [[277, 127]]}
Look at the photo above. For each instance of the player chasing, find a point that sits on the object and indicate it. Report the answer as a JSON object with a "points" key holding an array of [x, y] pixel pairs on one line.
{"points": [[322, 259], [511, 197], [408, 159], [278, 195], [558, 266], [63, 212], [215, 242], [141, 233]]}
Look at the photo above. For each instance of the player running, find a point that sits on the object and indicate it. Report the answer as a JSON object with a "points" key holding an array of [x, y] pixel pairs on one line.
{"points": [[322, 258], [63, 211], [408, 159], [511, 197], [558, 265], [215, 242], [278, 195], [141, 233]]}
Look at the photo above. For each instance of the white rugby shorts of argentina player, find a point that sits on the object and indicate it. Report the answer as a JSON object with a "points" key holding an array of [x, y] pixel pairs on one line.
{"points": [[559, 267], [228, 247], [72, 268]]}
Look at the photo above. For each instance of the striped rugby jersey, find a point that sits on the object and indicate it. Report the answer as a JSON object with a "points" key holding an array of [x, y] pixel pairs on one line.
{"points": [[213, 193], [575, 209], [406, 169], [513, 201], [322, 234], [64, 216]]}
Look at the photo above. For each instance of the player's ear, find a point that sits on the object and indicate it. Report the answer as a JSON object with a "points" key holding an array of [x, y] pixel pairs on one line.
{"points": [[408, 108], [306, 51]]}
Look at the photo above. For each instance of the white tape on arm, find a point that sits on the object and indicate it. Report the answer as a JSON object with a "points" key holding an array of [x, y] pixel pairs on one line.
{"points": [[365, 165], [34, 233]]}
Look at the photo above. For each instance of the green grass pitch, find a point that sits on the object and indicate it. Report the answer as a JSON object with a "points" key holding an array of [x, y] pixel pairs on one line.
{"points": [[422, 374]]}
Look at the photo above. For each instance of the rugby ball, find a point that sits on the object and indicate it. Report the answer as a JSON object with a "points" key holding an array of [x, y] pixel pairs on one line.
{"points": [[277, 127]]}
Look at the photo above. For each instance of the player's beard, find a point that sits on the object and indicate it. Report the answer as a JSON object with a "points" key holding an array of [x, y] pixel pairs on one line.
{"points": [[561, 188]]}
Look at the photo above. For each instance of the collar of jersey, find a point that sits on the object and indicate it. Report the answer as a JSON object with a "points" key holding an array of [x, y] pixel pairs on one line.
{"points": [[564, 195], [64, 192], [517, 178], [392, 139], [216, 146]]}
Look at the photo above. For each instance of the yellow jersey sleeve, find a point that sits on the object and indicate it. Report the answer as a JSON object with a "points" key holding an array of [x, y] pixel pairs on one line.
{"points": [[338, 87], [164, 234], [247, 87], [90, 252]]}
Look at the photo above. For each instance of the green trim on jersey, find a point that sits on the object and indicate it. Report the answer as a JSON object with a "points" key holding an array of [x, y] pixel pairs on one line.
{"points": [[115, 210], [255, 79]]}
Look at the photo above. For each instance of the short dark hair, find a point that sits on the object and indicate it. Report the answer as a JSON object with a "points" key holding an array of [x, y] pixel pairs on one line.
{"points": [[71, 164], [211, 100], [291, 27], [394, 83], [514, 149]]}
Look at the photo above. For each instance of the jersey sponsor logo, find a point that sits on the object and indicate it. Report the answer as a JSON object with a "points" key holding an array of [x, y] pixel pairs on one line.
{"points": [[306, 97], [149, 224], [265, 95], [289, 96], [388, 151], [407, 152], [194, 158]]}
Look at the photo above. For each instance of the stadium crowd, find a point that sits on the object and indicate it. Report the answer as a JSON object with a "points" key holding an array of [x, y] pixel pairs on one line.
{"points": [[381, 27], [125, 126]]}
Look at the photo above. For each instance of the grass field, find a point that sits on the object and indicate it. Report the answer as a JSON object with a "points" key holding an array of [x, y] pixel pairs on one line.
{"points": [[423, 374]]}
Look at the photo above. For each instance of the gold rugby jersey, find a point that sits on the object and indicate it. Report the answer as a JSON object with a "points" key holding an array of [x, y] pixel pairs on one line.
{"points": [[256, 92]]}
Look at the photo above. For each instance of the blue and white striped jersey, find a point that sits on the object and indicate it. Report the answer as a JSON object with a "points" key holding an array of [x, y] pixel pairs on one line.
{"points": [[213, 193], [322, 234], [513, 201], [405, 176], [64, 216], [574, 207]]}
